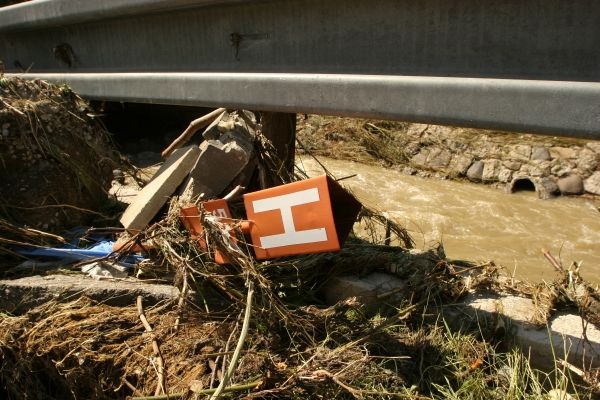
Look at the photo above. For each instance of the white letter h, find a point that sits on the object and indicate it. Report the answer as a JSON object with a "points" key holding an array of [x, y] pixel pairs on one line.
{"points": [[290, 235]]}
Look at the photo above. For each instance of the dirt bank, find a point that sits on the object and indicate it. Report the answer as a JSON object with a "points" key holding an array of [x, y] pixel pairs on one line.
{"points": [[57, 161]]}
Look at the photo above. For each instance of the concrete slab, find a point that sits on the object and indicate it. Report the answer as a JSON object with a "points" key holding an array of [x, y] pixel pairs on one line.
{"points": [[373, 290], [19, 295], [156, 193], [566, 336], [218, 165]]}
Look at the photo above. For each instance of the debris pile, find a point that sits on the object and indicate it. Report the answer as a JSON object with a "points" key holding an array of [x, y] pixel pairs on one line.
{"points": [[287, 287]]}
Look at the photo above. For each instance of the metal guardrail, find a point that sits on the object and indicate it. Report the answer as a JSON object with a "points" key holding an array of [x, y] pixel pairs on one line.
{"points": [[530, 65]]}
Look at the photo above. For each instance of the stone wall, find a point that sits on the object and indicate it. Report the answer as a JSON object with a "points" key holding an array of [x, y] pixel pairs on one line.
{"points": [[553, 165]]}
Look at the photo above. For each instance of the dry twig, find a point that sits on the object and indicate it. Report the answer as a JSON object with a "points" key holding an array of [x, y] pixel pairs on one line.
{"points": [[240, 344], [161, 385], [192, 128]]}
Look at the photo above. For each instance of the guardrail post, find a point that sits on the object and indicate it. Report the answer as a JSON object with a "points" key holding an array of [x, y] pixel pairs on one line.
{"points": [[280, 129]]}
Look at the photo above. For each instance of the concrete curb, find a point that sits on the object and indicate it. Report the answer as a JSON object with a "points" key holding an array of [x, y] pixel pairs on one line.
{"points": [[19, 295]]}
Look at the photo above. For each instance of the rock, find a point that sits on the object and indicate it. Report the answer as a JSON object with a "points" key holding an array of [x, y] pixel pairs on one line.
{"points": [[419, 160], [438, 159], [490, 170], [535, 171], [475, 171], [587, 162], [524, 170], [592, 184], [512, 165], [561, 170], [456, 146], [521, 152], [409, 170], [156, 193], [546, 188], [504, 175], [412, 148], [440, 130], [540, 153], [460, 164], [545, 167], [572, 184], [369, 289], [563, 152], [594, 146], [218, 165]]}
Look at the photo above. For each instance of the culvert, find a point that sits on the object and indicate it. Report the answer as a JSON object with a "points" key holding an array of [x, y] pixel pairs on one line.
{"points": [[523, 185], [544, 187]]}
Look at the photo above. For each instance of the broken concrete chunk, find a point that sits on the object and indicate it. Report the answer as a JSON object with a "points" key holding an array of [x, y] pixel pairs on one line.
{"points": [[164, 183], [105, 270], [212, 131], [244, 177], [216, 167], [372, 290], [242, 137], [226, 125]]}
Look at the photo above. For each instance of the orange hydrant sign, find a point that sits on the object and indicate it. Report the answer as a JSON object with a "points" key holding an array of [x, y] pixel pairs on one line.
{"points": [[309, 216]]}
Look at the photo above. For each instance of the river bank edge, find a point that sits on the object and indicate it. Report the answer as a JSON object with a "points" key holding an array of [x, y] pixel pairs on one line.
{"points": [[550, 165]]}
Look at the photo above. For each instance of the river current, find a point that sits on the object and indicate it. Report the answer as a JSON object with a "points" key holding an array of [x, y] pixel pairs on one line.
{"points": [[477, 222]]}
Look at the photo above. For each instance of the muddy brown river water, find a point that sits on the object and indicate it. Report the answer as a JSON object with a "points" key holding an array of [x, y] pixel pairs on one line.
{"points": [[480, 223]]}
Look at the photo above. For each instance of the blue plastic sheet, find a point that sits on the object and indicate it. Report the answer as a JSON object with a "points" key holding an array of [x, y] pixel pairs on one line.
{"points": [[72, 253]]}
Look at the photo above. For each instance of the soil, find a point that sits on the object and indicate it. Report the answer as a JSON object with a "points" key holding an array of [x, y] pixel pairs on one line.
{"points": [[56, 161]]}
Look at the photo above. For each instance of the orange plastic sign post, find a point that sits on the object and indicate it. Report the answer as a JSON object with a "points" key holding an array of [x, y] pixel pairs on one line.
{"points": [[190, 217], [310, 216]]}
